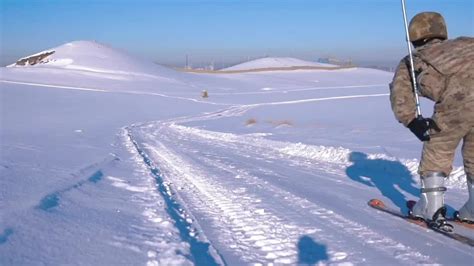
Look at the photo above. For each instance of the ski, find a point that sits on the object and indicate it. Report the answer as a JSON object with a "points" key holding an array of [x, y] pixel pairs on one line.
{"points": [[379, 205], [461, 223], [452, 220]]}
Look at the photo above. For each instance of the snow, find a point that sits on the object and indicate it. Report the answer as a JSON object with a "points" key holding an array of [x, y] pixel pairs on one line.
{"points": [[94, 60], [108, 159], [93, 56], [276, 62]]}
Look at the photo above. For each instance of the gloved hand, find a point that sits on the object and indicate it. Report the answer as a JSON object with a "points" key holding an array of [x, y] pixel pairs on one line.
{"points": [[420, 126]]}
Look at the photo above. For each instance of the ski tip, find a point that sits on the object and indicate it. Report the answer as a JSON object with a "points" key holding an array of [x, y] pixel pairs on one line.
{"points": [[376, 203]]}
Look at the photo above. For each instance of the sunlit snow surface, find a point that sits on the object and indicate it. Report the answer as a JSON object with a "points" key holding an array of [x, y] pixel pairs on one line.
{"points": [[108, 159]]}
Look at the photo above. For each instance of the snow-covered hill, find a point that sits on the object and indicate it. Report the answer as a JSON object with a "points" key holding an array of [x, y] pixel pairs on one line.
{"points": [[106, 159], [87, 64], [93, 57], [276, 62]]}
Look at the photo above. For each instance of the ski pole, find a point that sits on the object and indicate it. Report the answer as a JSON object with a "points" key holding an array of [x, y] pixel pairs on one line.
{"points": [[412, 67]]}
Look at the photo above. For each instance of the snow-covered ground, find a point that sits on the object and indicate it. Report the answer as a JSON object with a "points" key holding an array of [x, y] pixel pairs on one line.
{"points": [[108, 159]]}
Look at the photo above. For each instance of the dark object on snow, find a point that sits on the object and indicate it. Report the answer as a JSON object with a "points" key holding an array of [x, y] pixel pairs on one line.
{"points": [[34, 59]]}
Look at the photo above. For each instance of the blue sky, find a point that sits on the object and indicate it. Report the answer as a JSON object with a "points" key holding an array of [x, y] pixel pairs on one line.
{"points": [[225, 30]]}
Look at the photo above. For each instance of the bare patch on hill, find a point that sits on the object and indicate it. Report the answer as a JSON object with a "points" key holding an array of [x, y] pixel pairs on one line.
{"points": [[34, 59]]}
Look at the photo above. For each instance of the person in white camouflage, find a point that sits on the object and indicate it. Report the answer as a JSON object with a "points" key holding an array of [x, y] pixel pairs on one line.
{"points": [[444, 70]]}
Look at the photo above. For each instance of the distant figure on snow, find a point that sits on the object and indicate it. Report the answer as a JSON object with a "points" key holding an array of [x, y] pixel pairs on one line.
{"points": [[444, 70]]}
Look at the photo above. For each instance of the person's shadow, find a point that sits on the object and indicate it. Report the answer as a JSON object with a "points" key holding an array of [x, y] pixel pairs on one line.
{"points": [[385, 175], [310, 252]]}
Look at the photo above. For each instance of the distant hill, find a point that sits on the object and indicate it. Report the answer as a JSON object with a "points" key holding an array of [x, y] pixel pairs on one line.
{"points": [[276, 62], [90, 56]]}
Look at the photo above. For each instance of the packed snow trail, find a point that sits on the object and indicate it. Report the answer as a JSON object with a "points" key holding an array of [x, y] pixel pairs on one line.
{"points": [[202, 253], [259, 201]]}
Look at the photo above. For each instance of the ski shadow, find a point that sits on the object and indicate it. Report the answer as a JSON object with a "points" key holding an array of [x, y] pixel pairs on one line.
{"points": [[311, 252], [390, 177]]}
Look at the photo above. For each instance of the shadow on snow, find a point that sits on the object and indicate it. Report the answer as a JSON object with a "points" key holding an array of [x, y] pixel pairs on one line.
{"points": [[52, 200], [5, 235], [311, 252], [390, 177]]}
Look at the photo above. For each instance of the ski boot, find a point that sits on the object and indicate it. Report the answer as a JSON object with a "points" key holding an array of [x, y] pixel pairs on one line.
{"points": [[466, 213], [430, 207]]}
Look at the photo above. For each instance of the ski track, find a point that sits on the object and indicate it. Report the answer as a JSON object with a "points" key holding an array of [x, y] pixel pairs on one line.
{"points": [[288, 90], [248, 225], [157, 236], [111, 91], [200, 250]]}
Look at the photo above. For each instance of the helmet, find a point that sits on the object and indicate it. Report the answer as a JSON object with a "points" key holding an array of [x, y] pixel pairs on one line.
{"points": [[427, 25]]}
